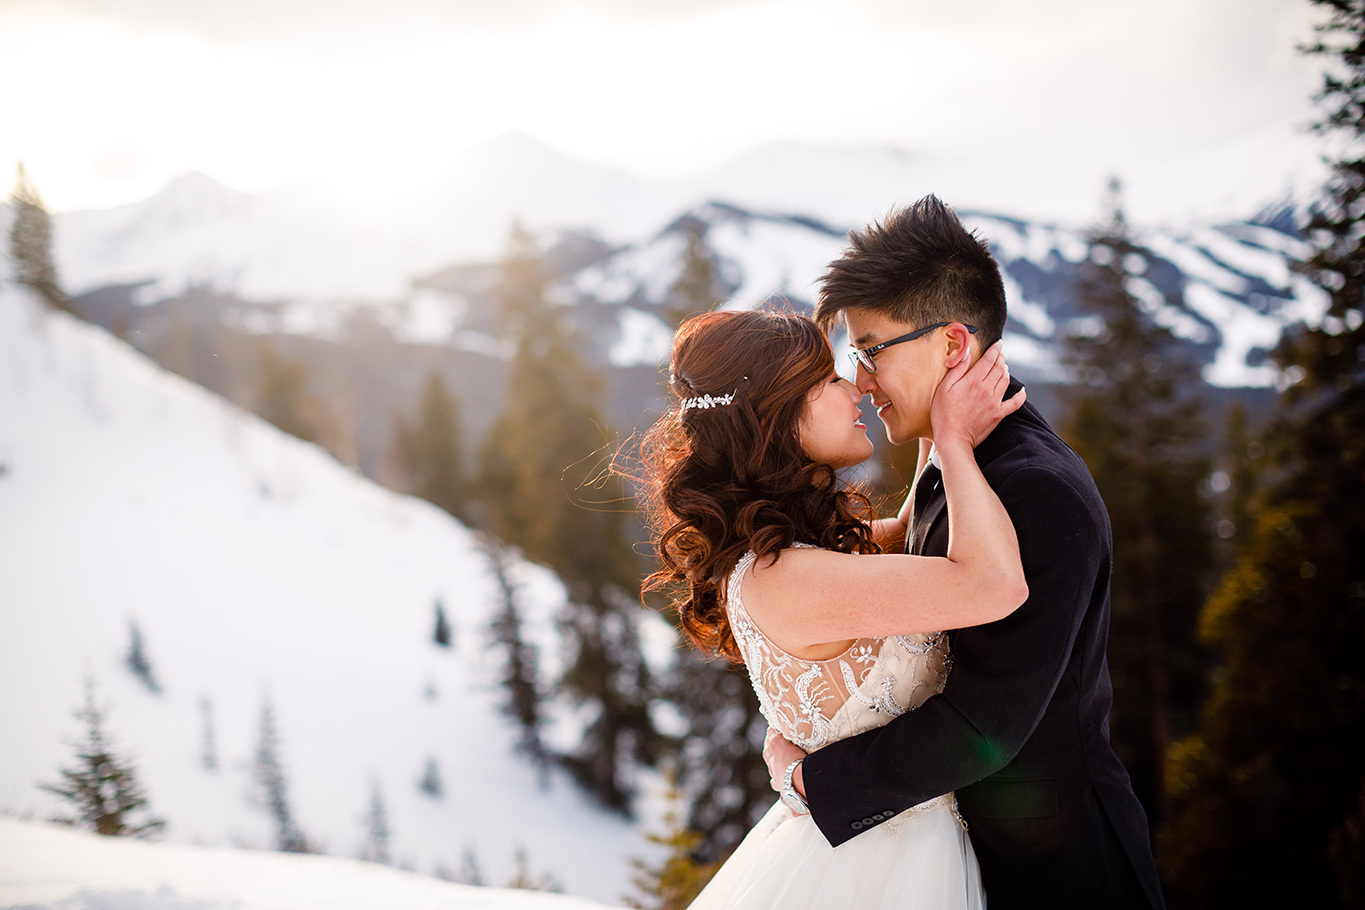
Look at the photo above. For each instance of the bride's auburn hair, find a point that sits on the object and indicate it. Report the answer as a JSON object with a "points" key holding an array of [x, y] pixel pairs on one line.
{"points": [[727, 478]]}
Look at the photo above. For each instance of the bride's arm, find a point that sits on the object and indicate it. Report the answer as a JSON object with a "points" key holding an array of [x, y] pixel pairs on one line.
{"points": [[811, 596], [889, 533]]}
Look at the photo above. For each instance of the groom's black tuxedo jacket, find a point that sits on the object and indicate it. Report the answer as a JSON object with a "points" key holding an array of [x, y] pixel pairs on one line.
{"points": [[1021, 730]]}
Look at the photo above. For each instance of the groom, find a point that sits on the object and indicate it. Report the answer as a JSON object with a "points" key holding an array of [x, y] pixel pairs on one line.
{"points": [[1021, 730]]}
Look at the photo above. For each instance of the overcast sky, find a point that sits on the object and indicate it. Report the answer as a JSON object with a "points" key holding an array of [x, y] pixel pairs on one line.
{"points": [[106, 100]]}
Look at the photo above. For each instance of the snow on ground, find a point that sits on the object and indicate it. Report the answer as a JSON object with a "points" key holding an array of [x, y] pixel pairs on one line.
{"points": [[44, 865], [256, 567]]}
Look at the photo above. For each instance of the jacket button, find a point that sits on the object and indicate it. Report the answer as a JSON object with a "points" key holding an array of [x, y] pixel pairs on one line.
{"points": [[857, 826], [868, 821]]}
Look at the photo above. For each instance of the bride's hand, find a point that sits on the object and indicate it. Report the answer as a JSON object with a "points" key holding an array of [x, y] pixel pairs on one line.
{"points": [[778, 753], [967, 405]]}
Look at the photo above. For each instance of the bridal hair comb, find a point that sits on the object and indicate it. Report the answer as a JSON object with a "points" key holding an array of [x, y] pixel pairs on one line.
{"points": [[706, 401]]}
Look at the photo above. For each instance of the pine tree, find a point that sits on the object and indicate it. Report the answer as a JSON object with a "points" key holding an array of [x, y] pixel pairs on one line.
{"points": [[430, 784], [30, 244], [608, 673], [471, 870], [522, 876], [721, 755], [521, 672], [545, 489], [1270, 791], [696, 289], [675, 881], [282, 395], [208, 747], [1243, 458], [429, 449], [1135, 418], [175, 348], [376, 849], [442, 633], [274, 788], [103, 786], [538, 456], [137, 661]]}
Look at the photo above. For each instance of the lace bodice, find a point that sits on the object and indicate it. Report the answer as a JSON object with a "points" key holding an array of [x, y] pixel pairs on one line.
{"points": [[816, 702]]}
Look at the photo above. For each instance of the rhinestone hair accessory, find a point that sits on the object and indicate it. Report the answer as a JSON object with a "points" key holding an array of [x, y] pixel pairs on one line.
{"points": [[707, 401]]}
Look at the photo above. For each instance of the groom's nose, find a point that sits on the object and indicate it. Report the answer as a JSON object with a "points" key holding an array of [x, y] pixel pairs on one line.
{"points": [[864, 380]]}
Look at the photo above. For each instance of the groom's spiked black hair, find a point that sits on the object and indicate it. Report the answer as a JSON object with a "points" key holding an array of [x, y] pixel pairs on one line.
{"points": [[919, 266]]}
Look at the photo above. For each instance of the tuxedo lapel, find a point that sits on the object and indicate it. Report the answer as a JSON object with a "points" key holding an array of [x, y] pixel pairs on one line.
{"points": [[930, 506], [931, 503]]}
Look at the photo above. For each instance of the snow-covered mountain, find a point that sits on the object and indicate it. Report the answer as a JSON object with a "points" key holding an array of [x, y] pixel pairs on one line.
{"points": [[303, 244], [1225, 288], [256, 567], [306, 261]]}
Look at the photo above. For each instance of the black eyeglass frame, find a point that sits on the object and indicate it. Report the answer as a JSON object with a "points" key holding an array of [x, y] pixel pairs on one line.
{"points": [[863, 356]]}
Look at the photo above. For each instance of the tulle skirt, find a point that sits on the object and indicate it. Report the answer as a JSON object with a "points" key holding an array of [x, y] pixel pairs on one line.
{"points": [[921, 861]]}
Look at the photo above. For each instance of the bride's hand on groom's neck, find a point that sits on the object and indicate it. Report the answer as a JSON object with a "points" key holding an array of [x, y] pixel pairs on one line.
{"points": [[969, 403]]}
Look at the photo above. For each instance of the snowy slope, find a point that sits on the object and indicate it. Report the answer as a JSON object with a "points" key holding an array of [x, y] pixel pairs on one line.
{"points": [[255, 566], [44, 865]]}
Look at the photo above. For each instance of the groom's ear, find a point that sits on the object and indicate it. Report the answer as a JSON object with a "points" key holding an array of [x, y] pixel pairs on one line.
{"points": [[957, 342]]}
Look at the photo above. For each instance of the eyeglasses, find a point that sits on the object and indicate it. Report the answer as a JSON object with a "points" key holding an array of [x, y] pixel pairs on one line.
{"points": [[863, 357]]}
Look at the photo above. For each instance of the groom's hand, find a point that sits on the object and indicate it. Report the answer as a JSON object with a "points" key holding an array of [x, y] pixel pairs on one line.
{"points": [[778, 753]]}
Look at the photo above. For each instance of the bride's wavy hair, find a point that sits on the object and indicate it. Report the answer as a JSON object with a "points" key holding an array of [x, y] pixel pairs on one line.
{"points": [[723, 479]]}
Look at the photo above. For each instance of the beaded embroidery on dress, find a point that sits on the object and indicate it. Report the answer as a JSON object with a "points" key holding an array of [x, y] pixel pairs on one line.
{"points": [[921, 858], [815, 702]]}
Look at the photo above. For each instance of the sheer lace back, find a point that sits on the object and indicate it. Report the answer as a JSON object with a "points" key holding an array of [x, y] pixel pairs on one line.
{"points": [[816, 702]]}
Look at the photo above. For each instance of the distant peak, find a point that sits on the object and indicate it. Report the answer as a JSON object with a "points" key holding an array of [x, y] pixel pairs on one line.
{"points": [[516, 137], [199, 182], [513, 143], [790, 148], [193, 197]]}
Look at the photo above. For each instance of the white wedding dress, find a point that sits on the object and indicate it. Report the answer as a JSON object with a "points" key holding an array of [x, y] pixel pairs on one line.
{"points": [[921, 858]]}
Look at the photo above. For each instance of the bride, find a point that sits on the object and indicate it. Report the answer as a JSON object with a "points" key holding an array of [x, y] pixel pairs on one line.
{"points": [[777, 564]]}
